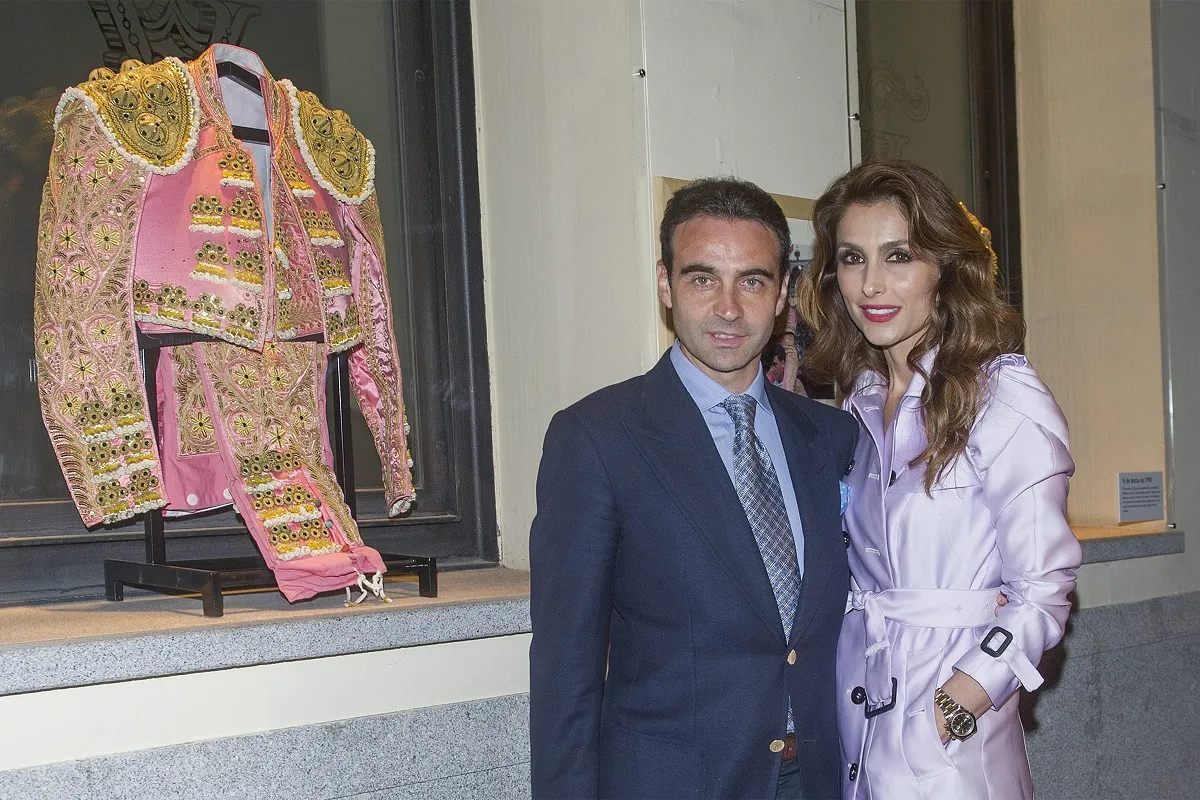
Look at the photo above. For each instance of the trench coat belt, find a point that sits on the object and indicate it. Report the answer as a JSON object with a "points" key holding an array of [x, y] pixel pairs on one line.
{"points": [[925, 608]]}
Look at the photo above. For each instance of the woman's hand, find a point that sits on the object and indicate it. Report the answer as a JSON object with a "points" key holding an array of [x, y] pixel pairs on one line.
{"points": [[1001, 602], [965, 691]]}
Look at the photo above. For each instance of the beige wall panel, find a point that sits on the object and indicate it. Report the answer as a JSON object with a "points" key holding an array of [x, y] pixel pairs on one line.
{"points": [[1085, 111], [568, 284]]}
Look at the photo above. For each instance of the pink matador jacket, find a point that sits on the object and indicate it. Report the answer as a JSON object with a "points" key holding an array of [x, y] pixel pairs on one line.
{"points": [[155, 217], [926, 573]]}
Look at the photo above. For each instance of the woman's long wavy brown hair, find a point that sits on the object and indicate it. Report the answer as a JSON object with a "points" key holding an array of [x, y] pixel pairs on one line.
{"points": [[971, 325]]}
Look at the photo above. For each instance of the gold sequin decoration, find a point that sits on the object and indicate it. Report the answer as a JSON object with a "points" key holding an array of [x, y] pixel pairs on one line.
{"points": [[336, 147], [147, 108]]}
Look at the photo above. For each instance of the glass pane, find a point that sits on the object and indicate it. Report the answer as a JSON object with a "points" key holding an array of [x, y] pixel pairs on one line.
{"points": [[914, 86], [344, 52]]}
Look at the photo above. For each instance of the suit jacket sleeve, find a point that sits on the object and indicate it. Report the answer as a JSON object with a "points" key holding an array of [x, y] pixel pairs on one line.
{"points": [[572, 546]]}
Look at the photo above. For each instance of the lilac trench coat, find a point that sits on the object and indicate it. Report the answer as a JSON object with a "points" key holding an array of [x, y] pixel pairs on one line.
{"points": [[926, 572]]}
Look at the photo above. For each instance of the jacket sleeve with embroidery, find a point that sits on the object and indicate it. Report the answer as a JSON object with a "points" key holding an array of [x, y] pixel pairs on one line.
{"points": [[375, 363], [342, 160], [89, 378]]}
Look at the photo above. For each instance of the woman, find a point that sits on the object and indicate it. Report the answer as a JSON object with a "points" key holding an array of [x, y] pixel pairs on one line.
{"points": [[959, 487]]}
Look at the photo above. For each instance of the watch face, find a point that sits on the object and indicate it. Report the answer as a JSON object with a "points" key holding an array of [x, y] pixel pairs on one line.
{"points": [[961, 725]]}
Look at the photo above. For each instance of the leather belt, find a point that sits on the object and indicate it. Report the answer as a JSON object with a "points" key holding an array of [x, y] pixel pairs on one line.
{"points": [[789, 747]]}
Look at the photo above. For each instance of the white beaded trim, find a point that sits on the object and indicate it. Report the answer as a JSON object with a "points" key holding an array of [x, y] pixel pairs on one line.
{"points": [[197, 327], [241, 182], [123, 470], [368, 187], [300, 552], [132, 512], [246, 233], [194, 228], [185, 158], [326, 241]]}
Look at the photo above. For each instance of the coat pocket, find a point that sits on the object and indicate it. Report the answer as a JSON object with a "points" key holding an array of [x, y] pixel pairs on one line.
{"points": [[919, 741]]}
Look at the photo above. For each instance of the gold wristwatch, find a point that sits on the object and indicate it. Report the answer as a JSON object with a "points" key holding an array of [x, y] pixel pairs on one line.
{"points": [[960, 723]]}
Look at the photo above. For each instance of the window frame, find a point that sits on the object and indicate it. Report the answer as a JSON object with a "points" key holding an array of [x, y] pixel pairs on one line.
{"points": [[47, 554]]}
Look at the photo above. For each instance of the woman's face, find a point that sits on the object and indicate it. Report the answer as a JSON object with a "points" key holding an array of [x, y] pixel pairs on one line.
{"points": [[889, 292]]}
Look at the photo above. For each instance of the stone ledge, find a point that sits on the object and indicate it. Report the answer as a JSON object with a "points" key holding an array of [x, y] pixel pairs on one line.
{"points": [[463, 750], [1122, 548], [80, 644]]}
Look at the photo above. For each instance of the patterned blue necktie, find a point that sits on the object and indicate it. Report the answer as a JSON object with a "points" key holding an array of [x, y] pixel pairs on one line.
{"points": [[758, 488]]}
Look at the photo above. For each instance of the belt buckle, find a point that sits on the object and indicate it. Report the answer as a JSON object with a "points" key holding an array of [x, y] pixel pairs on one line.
{"points": [[875, 712]]}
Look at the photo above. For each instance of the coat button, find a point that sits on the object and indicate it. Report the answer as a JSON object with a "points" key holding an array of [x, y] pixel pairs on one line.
{"points": [[892, 479], [792, 657], [849, 468], [858, 696], [846, 539], [854, 770], [777, 745]]}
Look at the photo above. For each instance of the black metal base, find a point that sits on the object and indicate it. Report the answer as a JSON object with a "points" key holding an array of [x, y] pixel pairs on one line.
{"points": [[210, 577]]}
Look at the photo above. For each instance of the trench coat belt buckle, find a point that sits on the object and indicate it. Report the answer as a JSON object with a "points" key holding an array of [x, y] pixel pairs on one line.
{"points": [[926, 608]]}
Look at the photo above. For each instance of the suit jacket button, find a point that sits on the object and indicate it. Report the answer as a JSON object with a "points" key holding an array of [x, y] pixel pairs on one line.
{"points": [[892, 479], [846, 539], [854, 770], [792, 657], [777, 745], [849, 468]]}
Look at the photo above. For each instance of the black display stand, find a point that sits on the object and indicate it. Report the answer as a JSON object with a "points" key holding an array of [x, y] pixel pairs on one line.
{"points": [[211, 576]]}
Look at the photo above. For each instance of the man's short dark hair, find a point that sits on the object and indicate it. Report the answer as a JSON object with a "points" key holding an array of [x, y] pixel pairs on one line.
{"points": [[724, 198]]}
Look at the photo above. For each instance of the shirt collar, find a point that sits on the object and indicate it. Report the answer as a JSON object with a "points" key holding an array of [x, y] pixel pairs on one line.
{"points": [[707, 392]]}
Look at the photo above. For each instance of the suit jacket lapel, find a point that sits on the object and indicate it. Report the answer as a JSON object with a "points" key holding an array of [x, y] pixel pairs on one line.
{"points": [[807, 456], [682, 454]]}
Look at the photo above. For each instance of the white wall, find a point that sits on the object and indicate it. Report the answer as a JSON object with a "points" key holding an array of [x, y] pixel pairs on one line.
{"points": [[561, 157], [755, 89]]}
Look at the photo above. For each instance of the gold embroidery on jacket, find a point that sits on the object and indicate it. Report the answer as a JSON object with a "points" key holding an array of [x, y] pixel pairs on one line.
{"points": [[273, 431], [208, 215], [296, 181], [149, 111], [332, 276], [320, 229], [196, 433], [212, 263], [245, 216], [248, 270], [236, 169], [338, 156], [341, 329]]}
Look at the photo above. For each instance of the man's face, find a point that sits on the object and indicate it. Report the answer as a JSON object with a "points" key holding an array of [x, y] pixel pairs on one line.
{"points": [[724, 292]]}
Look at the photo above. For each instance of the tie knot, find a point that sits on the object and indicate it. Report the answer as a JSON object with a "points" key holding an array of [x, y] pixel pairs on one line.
{"points": [[740, 408]]}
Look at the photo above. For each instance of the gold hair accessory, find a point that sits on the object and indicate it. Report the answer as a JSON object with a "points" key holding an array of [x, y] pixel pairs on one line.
{"points": [[994, 264]]}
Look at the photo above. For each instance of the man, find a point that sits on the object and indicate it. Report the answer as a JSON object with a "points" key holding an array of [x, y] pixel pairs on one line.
{"points": [[688, 530]]}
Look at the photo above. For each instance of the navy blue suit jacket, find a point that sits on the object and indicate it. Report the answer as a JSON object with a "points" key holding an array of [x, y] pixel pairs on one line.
{"points": [[659, 668]]}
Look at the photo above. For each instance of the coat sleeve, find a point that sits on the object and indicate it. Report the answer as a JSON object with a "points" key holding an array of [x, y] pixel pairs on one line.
{"points": [[375, 363], [572, 550], [90, 383], [1021, 450]]}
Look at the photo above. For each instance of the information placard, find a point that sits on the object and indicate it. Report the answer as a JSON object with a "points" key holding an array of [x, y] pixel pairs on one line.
{"points": [[1140, 496]]}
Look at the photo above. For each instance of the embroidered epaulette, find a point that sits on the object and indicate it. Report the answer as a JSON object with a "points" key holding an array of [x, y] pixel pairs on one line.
{"points": [[149, 112], [340, 158]]}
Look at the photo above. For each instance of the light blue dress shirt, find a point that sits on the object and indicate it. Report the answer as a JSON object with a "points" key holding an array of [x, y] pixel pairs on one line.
{"points": [[709, 395]]}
